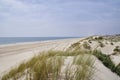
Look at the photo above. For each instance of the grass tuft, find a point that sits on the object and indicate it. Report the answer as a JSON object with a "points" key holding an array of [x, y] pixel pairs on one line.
{"points": [[105, 59], [117, 49], [47, 66], [86, 46]]}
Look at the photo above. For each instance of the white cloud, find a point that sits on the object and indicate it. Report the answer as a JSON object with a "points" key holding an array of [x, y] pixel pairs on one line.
{"points": [[14, 4], [56, 17]]}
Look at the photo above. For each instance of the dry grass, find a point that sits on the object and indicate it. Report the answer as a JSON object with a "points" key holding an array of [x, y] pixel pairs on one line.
{"points": [[101, 44], [86, 46], [105, 59], [47, 66]]}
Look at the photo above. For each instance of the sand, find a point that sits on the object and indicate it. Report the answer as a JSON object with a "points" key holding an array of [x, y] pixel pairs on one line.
{"points": [[13, 54]]}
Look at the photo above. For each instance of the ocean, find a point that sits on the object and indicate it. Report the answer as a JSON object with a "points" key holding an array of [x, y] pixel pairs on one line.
{"points": [[12, 40]]}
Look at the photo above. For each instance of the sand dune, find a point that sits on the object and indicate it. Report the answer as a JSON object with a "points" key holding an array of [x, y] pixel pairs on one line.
{"points": [[12, 55]]}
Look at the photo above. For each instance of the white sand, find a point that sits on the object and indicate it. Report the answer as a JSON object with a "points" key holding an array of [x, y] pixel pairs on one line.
{"points": [[103, 73], [11, 55], [108, 49]]}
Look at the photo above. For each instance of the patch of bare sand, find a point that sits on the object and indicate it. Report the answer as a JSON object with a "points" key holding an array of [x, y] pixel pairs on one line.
{"points": [[12, 55]]}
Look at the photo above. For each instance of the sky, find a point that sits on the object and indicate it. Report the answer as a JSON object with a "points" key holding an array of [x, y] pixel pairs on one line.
{"points": [[59, 18]]}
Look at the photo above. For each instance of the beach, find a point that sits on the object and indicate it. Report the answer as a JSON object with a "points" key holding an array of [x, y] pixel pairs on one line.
{"points": [[13, 54]]}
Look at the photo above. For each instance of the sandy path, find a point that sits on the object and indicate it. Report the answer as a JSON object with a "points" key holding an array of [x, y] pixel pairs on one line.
{"points": [[11, 55]]}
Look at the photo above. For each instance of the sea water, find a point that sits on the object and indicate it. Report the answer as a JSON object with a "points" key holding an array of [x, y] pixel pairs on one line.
{"points": [[12, 40]]}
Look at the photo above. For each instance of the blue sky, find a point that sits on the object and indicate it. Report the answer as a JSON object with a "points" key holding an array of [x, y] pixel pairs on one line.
{"points": [[39, 18]]}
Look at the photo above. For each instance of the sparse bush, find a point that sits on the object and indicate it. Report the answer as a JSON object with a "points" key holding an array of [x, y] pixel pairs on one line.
{"points": [[89, 41], [101, 44], [99, 38], [117, 70], [86, 45], [117, 49], [114, 53], [111, 43], [75, 44]]}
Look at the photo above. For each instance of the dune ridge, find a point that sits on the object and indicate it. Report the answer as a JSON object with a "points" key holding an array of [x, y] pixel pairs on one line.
{"points": [[107, 45]]}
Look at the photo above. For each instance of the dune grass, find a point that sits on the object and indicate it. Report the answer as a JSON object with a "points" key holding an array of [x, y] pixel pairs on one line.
{"points": [[74, 47], [87, 63], [86, 46], [117, 49], [47, 66], [105, 59], [101, 44]]}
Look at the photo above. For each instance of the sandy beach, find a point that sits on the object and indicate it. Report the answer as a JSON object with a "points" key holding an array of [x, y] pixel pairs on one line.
{"points": [[13, 54], [59, 40]]}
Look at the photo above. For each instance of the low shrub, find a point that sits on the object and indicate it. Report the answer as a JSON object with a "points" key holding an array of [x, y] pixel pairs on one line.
{"points": [[117, 49], [89, 41], [86, 45], [101, 44], [112, 43], [99, 38]]}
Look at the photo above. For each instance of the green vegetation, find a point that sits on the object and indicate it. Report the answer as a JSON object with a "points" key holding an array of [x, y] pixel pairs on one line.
{"points": [[101, 44], [86, 45], [89, 41], [112, 43], [113, 38], [81, 68], [105, 59], [74, 47], [75, 44], [117, 49], [99, 38], [95, 38], [47, 66], [87, 64]]}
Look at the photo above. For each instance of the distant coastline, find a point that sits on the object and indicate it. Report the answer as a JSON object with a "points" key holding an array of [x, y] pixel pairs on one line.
{"points": [[14, 40]]}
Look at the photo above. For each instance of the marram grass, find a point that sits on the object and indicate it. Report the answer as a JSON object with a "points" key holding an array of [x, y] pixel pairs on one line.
{"points": [[48, 66], [105, 59]]}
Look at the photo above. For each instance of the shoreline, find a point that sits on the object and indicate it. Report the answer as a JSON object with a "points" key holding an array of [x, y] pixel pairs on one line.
{"points": [[32, 42], [12, 55], [28, 45]]}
